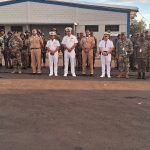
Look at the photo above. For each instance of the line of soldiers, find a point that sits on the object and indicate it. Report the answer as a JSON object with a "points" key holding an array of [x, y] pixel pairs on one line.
{"points": [[134, 52], [129, 54]]}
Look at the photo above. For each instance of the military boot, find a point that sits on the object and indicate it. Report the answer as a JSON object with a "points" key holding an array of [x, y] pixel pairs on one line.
{"points": [[139, 75], [19, 70], [127, 76], [14, 71], [143, 76]]}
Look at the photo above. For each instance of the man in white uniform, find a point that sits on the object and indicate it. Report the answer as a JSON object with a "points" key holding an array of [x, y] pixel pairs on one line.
{"points": [[53, 47], [105, 47], [69, 42]]}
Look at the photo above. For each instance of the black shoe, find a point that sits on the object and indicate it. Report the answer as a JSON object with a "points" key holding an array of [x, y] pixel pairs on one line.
{"points": [[143, 76], [83, 75], [91, 75], [33, 73], [139, 75], [0, 65]]}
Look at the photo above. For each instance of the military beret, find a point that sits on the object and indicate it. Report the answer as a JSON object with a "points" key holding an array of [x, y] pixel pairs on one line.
{"points": [[123, 33], [52, 33], [68, 29], [2, 30], [9, 32]]}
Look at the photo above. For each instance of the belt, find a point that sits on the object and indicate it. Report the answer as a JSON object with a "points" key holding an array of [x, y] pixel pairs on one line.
{"points": [[35, 48]]}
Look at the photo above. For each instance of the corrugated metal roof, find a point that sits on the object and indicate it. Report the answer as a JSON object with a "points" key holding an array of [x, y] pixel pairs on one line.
{"points": [[85, 4]]}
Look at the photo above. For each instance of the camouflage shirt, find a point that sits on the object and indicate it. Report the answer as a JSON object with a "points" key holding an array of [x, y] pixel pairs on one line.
{"points": [[2, 42], [142, 49], [15, 43], [124, 47]]}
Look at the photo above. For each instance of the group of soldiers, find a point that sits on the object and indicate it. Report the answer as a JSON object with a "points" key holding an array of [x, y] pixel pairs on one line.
{"points": [[20, 51]]}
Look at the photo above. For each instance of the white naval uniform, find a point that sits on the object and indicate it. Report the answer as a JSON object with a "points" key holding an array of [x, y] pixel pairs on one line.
{"points": [[106, 60], [53, 59], [69, 41]]}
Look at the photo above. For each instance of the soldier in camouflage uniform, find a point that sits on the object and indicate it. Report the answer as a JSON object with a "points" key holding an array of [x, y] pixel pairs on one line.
{"points": [[16, 44], [78, 53], [1, 46], [147, 37], [132, 58], [24, 51], [94, 49], [7, 51], [124, 49], [143, 46]]}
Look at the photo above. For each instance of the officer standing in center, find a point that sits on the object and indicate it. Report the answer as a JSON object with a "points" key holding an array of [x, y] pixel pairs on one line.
{"points": [[69, 43]]}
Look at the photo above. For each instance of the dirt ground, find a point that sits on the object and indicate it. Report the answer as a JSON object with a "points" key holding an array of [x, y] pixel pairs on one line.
{"points": [[83, 113]]}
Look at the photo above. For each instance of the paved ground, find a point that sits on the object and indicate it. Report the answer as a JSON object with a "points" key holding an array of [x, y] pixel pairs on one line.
{"points": [[83, 113]]}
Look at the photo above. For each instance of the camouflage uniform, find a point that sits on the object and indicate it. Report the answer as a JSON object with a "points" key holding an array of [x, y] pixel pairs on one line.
{"points": [[15, 44], [147, 37], [79, 54], [132, 58], [143, 46], [24, 53], [7, 52], [124, 49], [1, 49]]}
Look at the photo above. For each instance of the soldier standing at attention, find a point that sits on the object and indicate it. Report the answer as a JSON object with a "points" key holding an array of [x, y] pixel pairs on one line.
{"points": [[35, 44], [1, 46], [106, 47], [124, 49], [52, 47], [24, 51], [94, 48], [143, 47], [132, 58], [69, 43], [87, 44], [15, 45], [147, 37], [7, 51]]}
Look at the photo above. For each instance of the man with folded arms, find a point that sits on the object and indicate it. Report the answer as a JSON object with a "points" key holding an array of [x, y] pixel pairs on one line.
{"points": [[105, 47]]}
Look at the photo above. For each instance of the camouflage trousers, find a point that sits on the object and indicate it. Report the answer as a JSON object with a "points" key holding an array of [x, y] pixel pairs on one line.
{"points": [[1, 55], [141, 62], [148, 63], [16, 59], [24, 58], [123, 63]]}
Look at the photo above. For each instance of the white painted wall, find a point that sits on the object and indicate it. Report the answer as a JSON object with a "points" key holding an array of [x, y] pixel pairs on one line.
{"points": [[38, 13]]}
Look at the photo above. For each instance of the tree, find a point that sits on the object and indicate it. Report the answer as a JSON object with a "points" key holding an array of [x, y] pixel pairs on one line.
{"points": [[137, 26]]}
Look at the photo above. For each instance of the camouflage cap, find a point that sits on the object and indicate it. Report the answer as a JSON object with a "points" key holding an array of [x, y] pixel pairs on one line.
{"points": [[123, 33]]}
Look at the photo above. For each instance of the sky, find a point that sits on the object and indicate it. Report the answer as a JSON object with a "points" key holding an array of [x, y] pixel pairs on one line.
{"points": [[143, 5]]}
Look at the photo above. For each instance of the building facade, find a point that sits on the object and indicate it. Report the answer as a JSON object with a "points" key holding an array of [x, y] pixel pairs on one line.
{"points": [[24, 15]]}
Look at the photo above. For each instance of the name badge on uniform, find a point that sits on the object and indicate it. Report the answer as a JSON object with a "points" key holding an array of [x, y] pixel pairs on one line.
{"points": [[140, 50]]}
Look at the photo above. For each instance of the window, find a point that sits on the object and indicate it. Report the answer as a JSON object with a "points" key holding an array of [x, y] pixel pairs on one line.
{"points": [[93, 28], [16, 28], [111, 28], [2, 27]]}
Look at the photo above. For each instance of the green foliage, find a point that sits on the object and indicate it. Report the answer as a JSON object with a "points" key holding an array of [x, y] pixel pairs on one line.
{"points": [[137, 26]]}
